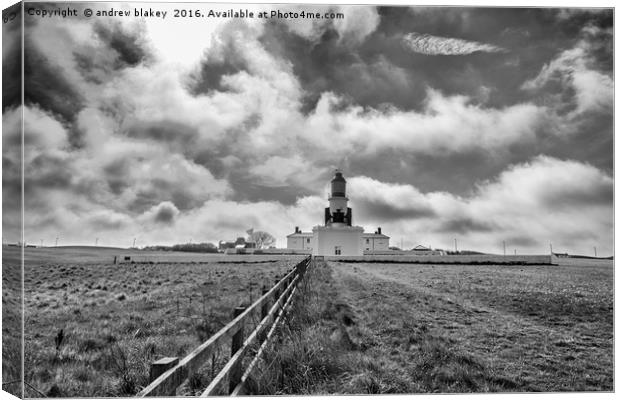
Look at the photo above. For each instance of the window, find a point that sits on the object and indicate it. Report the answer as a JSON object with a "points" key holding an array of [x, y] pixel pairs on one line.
{"points": [[308, 240], [337, 250], [367, 241]]}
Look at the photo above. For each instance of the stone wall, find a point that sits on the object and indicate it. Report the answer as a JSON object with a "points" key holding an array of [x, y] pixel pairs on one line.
{"points": [[447, 259]]}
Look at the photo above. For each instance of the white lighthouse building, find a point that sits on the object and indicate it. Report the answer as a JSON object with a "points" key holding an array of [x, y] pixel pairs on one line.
{"points": [[338, 236]]}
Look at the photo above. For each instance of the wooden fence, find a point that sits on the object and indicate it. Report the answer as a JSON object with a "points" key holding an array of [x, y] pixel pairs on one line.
{"points": [[169, 374]]}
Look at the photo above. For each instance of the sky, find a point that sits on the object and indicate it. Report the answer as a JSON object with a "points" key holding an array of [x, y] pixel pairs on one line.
{"points": [[485, 125]]}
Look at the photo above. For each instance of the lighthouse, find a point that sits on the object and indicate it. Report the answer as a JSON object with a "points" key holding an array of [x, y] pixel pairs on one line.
{"points": [[338, 214], [338, 236]]}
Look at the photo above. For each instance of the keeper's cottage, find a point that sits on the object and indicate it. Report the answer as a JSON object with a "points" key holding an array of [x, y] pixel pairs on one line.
{"points": [[338, 236]]}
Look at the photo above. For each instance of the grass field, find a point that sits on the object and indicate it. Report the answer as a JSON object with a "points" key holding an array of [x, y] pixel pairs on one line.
{"points": [[356, 328], [372, 328], [117, 319], [11, 323]]}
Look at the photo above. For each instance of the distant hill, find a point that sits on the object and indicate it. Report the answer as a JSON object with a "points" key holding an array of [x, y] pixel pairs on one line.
{"points": [[62, 254], [92, 248]]}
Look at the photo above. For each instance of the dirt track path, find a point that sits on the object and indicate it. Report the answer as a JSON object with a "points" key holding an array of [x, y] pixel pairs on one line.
{"points": [[503, 347]]}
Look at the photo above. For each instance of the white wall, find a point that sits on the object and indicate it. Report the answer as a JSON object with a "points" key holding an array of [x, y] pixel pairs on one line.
{"points": [[299, 243], [348, 238], [375, 244]]}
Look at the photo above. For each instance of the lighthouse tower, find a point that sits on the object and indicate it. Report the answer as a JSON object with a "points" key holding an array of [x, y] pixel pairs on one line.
{"points": [[338, 214], [338, 236]]}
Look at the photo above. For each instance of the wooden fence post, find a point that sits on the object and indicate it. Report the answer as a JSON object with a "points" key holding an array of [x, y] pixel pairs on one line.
{"points": [[265, 308], [162, 365], [276, 293], [237, 341], [263, 313]]}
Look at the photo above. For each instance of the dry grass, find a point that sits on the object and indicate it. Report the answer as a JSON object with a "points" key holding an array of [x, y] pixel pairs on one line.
{"points": [[372, 328], [11, 325], [354, 328], [117, 319]]}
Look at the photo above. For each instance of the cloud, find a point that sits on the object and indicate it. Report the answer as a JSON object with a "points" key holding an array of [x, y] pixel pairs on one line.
{"points": [[575, 69], [11, 174], [560, 201], [11, 61], [437, 45], [102, 220], [352, 30], [129, 45], [164, 213], [245, 128], [464, 226], [119, 174], [448, 124], [384, 201], [279, 171]]}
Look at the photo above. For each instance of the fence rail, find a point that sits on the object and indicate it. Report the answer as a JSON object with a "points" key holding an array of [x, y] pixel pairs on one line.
{"points": [[280, 294]]}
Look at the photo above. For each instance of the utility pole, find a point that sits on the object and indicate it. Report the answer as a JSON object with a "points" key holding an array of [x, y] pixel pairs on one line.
{"points": [[134, 242], [456, 250], [551, 248], [42, 244], [96, 241], [515, 252], [56, 242], [504, 242], [594, 251]]}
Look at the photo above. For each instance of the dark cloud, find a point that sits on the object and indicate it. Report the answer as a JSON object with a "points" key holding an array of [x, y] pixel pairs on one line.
{"points": [[246, 189], [211, 72], [175, 133], [166, 214], [11, 57], [128, 45], [380, 70], [594, 194], [380, 210], [591, 143], [465, 225], [455, 172], [47, 171], [46, 85], [144, 199], [106, 222], [169, 188], [182, 197], [115, 174], [11, 192], [328, 65], [162, 174], [239, 226], [522, 241], [226, 58]]}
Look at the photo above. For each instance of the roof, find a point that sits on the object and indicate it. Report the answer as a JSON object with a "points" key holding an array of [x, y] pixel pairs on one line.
{"points": [[375, 235], [338, 177], [420, 247], [300, 234]]}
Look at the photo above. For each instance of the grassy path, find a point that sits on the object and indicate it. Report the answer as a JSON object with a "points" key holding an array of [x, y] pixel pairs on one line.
{"points": [[397, 328], [432, 325]]}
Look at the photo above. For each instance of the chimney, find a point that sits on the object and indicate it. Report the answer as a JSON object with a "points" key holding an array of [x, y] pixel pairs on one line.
{"points": [[379, 230], [296, 229]]}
